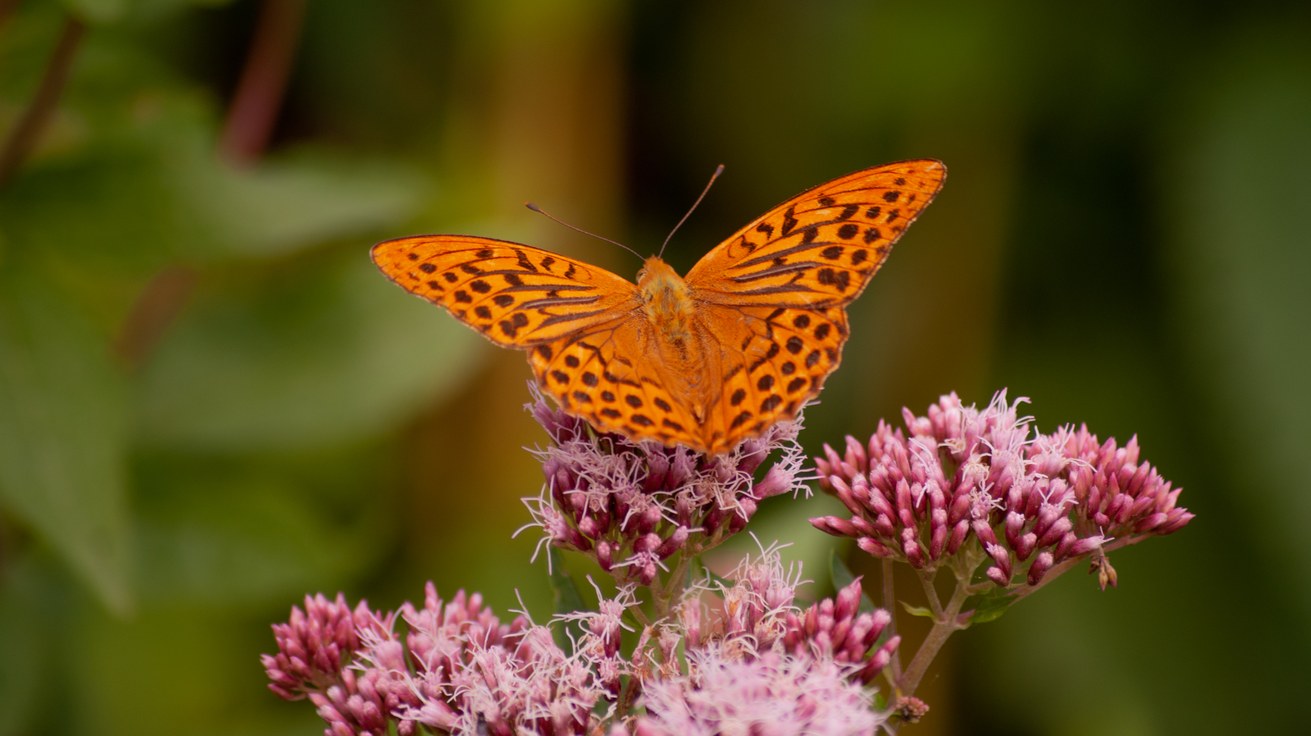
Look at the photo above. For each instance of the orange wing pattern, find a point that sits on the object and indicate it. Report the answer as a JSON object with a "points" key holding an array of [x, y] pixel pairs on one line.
{"points": [[782, 358], [742, 343], [822, 246], [606, 376], [515, 295]]}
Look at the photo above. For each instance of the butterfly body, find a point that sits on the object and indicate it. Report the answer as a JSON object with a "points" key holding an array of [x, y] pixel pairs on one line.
{"points": [[705, 360], [667, 301]]}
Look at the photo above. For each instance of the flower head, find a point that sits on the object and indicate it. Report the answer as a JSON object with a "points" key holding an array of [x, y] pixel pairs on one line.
{"points": [[313, 645], [960, 475], [771, 694], [752, 611], [457, 669], [632, 505]]}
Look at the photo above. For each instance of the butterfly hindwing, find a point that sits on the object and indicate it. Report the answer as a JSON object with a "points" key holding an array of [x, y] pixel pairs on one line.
{"points": [[824, 245], [516, 295], [783, 357], [603, 375]]}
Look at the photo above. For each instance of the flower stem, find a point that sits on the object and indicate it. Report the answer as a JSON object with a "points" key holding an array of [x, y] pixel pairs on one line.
{"points": [[259, 92], [946, 622], [34, 117]]}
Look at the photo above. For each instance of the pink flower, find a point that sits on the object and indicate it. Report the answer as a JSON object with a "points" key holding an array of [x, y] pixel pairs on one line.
{"points": [[959, 476], [752, 611], [774, 694], [631, 506], [456, 669], [314, 645], [837, 629]]}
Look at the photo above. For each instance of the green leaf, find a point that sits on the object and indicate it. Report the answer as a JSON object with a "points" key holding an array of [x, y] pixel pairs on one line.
{"points": [[31, 627], [63, 435], [564, 590], [920, 611], [100, 11], [293, 202], [991, 606], [322, 351], [567, 598], [233, 536]]}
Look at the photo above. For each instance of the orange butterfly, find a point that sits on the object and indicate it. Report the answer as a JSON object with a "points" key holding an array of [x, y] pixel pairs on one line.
{"points": [[704, 361]]}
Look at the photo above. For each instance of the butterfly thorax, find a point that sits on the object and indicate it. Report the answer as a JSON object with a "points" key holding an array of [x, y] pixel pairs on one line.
{"points": [[668, 303], [680, 353]]}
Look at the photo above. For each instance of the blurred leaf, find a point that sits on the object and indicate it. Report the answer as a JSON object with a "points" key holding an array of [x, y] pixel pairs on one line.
{"points": [[232, 539], [96, 10], [28, 633], [321, 352], [565, 591], [287, 204], [567, 599], [218, 654], [150, 204], [1239, 191], [62, 433], [990, 606]]}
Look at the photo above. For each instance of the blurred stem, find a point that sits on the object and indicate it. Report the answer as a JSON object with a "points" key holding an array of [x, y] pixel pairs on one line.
{"points": [[20, 141], [6, 10], [258, 97], [152, 313]]}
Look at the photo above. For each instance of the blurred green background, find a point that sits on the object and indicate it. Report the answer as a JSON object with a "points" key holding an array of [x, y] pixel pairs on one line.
{"points": [[211, 404]]}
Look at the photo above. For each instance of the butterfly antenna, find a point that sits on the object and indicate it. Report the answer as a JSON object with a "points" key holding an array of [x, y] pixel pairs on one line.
{"points": [[575, 228], [718, 170]]}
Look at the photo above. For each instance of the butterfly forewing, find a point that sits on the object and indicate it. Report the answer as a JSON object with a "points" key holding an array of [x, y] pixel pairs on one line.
{"points": [[514, 294], [824, 245]]}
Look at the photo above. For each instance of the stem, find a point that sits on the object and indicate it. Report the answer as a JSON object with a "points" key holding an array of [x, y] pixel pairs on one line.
{"points": [[947, 619], [33, 120], [155, 308], [931, 592], [664, 594], [944, 625], [259, 93], [6, 10]]}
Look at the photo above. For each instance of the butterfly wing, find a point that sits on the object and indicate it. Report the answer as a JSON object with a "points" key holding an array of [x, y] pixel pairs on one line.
{"points": [[515, 295], [821, 247], [774, 360], [606, 375], [589, 345], [772, 298]]}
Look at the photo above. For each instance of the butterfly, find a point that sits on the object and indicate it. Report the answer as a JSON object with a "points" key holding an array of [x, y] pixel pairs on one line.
{"points": [[707, 360]]}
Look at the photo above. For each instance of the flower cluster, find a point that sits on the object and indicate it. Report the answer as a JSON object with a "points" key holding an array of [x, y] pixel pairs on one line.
{"points": [[735, 655], [752, 610], [975, 492], [1031, 501], [458, 669], [314, 646], [632, 505], [772, 694]]}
